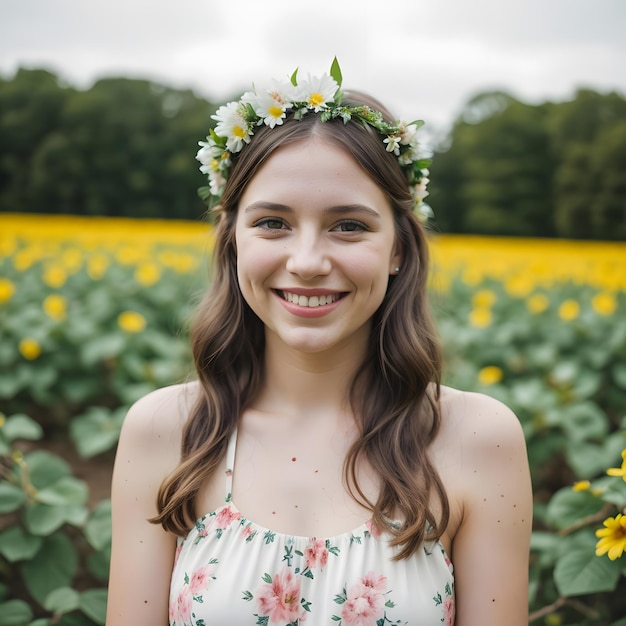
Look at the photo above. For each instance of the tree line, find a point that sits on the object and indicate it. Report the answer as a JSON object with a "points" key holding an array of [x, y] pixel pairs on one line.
{"points": [[126, 147]]}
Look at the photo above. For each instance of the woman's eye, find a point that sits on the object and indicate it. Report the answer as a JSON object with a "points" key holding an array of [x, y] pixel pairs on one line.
{"points": [[270, 223], [351, 226]]}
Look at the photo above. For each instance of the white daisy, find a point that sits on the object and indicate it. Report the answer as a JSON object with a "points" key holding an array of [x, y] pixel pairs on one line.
{"points": [[271, 106], [393, 144], [208, 152], [232, 125], [419, 191], [316, 91], [408, 133], [217, 182]]}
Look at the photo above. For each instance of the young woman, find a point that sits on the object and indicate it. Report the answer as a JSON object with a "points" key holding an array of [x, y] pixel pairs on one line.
{"points": [[317, 472]]}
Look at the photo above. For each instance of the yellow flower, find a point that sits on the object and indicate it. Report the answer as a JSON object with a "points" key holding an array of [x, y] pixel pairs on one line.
{"points": [[129, 255], [480, 317], [131, 321], [581, 485], [619, 471], [537, 303], [490, 375], [55, 307], [54, 276], [604, 303], [553, 619], [23, 260], [612, 537], [472, 277], [483, 298], [147, 274], [72, 259], [519, 286], [29, 349], [97, 266], [569, 310], [7, 289]]}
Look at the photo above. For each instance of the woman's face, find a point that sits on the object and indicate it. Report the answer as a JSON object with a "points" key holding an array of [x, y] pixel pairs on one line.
{"points": [[316, 244]]}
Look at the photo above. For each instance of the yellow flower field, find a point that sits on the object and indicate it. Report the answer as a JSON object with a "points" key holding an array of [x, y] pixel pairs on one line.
{"points": [[66, 243], [94, 314]]}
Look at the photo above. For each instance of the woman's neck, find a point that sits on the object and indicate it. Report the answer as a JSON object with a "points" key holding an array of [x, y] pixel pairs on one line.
{"points": [[303, 384]]}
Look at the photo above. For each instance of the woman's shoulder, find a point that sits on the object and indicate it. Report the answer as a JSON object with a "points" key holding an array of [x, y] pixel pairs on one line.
{"points": [[160, 416], [478, 421]]}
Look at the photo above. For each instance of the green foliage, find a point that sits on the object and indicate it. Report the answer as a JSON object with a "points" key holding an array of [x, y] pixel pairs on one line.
{"points": [[565, 381], [122, 147], [51, 538], [552, 169], [561, 369]]}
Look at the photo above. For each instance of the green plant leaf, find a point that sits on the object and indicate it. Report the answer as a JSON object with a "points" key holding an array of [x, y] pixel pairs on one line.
{"points": [[43, 520], [99, 563], [52, 567], [96, 431], [335, 72], [45, 468], [67, 490], [22, 427], [581, 572], [16, 545], [15, 613], [98, 528], [11, 497], [102, 347], [93, 603], [62, 600], [567, 507]]}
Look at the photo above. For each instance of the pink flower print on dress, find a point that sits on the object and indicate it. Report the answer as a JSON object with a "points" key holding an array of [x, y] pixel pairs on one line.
{"points": [[247, 532], [316, 554], [225, 517], [182, 607], [201, 578], [376, 583], [373, 529], [449, 611], [280, 599], [365, 602]]}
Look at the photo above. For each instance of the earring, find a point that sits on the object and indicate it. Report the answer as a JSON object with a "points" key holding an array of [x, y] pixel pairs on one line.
{"points": [[397, 269]]}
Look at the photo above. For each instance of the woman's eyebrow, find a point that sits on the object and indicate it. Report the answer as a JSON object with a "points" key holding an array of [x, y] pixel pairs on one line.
{"points": [[261, 205], [353, 208], [340, 209]]}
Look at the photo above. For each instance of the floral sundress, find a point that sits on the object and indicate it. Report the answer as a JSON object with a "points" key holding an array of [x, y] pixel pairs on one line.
{"points": [[230, 571]]}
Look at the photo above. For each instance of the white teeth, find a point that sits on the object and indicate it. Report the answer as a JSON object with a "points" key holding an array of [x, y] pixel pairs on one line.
{"points": [[313, 301]]}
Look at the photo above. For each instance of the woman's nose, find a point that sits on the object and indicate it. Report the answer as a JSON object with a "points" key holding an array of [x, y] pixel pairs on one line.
{"points": [[308, 256]]}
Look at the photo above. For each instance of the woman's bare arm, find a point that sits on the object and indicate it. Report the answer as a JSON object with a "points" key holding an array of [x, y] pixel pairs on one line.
{"points": [[143, 553], [491, 546]]}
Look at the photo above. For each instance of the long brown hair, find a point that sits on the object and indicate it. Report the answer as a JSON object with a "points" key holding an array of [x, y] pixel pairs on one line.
{"points": [[395, 393]]}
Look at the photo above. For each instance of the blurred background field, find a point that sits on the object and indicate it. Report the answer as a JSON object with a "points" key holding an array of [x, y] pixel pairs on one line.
{"points": [[93, 315]]}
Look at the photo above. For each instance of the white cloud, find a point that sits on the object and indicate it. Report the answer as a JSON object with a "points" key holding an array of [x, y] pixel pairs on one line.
{"points": [[423, 59]]}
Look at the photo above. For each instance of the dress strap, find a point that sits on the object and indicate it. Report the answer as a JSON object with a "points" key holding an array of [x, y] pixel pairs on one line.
{"points": [[230, 464]]}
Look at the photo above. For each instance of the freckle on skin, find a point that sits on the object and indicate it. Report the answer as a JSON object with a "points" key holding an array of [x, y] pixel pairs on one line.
{"points": [[293, 458]]}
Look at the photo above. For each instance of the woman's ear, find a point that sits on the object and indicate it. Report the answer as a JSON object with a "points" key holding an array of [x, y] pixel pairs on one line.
{"points": [[395, 263]]}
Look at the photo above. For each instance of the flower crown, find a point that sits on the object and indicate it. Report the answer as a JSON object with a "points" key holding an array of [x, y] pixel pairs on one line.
{"points": [[236, 122]]}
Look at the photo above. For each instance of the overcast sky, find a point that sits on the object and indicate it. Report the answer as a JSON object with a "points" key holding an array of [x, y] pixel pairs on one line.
{"points": [[422, 59]]}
